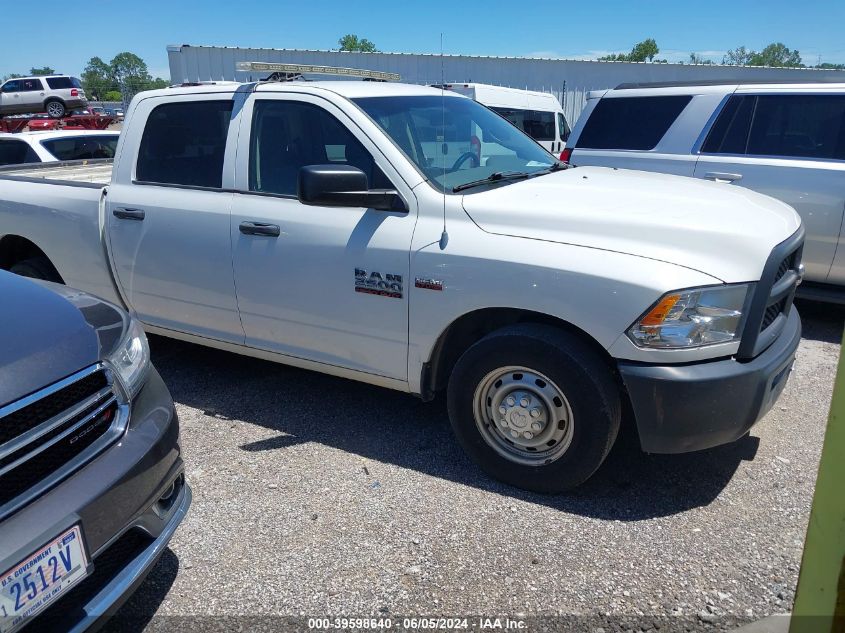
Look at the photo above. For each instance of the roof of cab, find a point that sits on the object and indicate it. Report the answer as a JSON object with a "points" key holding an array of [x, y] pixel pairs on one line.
{"points": [[349, 89]]}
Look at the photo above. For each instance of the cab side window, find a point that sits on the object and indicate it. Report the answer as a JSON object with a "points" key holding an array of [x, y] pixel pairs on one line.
{"points": [[184, 144], [288, 135], [12, 86]]}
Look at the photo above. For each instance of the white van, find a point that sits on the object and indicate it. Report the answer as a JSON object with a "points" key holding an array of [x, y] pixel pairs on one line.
{"points": [[538, 114]]}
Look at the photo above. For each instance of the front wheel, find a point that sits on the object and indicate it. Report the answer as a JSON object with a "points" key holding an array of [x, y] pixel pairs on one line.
{"points": [[535, 407]]}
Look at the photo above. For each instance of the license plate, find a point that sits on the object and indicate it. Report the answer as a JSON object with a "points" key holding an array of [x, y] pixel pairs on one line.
{"points": [[41, 578]]}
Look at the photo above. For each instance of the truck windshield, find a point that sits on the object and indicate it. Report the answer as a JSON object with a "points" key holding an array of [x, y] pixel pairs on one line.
{"points": [[454, 140]]}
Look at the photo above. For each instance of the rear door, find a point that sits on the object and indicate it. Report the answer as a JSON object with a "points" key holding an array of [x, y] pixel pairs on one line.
{"points": [[790, 146], [297, 267], [168, 215], [32, 95]]}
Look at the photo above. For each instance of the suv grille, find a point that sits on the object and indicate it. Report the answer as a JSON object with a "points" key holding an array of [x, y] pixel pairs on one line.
{"points": [[42, 435], [772, 300]]}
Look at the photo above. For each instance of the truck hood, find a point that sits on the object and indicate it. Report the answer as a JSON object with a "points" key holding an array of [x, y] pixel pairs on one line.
{"points": [[48, 332], [720, 230]]}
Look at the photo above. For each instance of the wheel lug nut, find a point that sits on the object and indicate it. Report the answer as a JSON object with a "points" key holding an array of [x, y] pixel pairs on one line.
{"points": [[536, 427], [504, 423], [528, 435], [524, 402], [514, 433], [535, 413], [510, 401], [503, 410]]}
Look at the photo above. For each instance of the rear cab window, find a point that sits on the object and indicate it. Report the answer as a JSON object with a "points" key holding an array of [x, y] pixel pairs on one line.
{"points": [[632, 123], [184, 144]]}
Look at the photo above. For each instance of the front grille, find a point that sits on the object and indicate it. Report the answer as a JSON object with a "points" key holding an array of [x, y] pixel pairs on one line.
{"points": [[30, 472], [43, 409], [69, 609], [772, 312], [772, 299], [42, 439]]}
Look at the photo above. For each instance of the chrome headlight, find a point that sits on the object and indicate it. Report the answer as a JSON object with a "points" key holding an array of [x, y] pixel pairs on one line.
{"points": [[131, 359], [692, 318]]}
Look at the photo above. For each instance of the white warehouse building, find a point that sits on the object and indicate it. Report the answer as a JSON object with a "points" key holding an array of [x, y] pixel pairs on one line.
{"points": [[568, 80]]}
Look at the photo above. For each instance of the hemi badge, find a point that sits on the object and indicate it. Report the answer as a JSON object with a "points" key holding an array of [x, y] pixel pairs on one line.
{"points": [[428, 284]]}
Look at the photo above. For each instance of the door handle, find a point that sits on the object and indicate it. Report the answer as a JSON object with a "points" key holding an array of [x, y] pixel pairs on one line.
{"points": [[260, 228], [719, 176], [129, 214]]}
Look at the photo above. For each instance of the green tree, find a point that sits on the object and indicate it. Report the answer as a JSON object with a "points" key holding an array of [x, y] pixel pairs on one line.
{"points": [[642, 51], [776, 54], [829, 66], [157, 84], [111, 95], [350, 42], [645, 50], [97, 79], [11, 76], [44, 70], [738, 57], [130, 73], [696, 59]]}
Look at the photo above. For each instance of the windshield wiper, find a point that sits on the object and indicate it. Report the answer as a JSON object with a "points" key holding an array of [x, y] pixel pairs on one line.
{"points": [[494, 177]]}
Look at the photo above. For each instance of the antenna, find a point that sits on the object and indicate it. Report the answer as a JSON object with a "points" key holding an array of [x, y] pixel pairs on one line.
{"points": [[444, 236]]}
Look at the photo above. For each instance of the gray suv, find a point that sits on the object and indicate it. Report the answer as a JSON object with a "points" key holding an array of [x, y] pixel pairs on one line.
{"points": [[92, 484], [784, 140], [55, 94]]}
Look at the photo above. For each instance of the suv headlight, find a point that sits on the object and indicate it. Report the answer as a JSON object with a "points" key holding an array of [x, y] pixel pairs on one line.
{"points": [[131, 359], [692, 318]]}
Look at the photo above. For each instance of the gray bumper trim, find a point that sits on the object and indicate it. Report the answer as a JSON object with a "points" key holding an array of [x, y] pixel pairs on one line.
{"points": [[112, 596]]}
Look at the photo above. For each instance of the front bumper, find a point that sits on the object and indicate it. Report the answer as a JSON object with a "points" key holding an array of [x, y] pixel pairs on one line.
{"points": [[129, 500], [683, 408]]}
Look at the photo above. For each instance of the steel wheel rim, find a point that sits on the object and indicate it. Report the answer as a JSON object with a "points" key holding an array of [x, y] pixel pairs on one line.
{"points": [[54, 109], [523, 415]]}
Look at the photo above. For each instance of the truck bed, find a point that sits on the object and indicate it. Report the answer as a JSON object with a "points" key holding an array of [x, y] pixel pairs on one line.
{"points": [[91, 173]]}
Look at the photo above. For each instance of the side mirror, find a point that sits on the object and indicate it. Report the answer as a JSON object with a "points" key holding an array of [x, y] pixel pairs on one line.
{"points": [[344, 186]]}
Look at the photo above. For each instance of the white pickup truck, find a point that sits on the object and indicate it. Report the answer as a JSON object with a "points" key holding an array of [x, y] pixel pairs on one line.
{"points": [[320, 224]]}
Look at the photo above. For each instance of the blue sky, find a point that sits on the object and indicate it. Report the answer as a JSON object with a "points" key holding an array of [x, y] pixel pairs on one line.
{"points": [[572, 30]]}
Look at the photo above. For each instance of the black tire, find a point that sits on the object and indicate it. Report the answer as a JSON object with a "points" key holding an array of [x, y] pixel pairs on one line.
{"points": [[576, 369], [55, 109], [36, 268]]}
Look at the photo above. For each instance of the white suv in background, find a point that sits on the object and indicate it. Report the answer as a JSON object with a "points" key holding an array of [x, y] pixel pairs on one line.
{"points": [[55, 94], [783, 140], [59, 145]]}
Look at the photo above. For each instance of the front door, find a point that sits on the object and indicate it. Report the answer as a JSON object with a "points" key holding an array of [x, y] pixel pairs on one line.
{"points": [[326, 284], [169, 228]]}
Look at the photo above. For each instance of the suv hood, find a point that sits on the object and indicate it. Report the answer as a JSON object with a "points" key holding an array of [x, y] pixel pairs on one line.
{"points": [[720, 230], [48, 332]]}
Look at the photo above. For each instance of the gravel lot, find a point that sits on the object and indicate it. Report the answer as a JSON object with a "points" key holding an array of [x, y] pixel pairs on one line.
{"points": [[320, 496]]}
